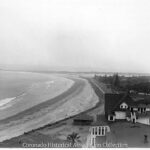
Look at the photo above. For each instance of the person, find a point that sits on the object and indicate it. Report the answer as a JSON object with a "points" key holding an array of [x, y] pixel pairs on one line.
{"points": [[145, 139]]}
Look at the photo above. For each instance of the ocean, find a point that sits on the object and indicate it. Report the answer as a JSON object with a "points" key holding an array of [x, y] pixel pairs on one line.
{"points": [[22, 90], [31, 100]]}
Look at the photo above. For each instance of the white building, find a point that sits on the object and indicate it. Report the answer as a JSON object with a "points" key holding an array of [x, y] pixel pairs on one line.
{"points": [[126, 108]]}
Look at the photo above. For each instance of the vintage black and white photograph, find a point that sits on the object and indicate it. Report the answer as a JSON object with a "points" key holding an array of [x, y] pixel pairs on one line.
{"points": [[74, 74]]}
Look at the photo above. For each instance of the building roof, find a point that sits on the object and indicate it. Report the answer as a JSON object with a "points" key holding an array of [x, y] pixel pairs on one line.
{"points": [[111, 100], [83, 117], [142, 105], [145, 101], [99, 123], [125, 99]]}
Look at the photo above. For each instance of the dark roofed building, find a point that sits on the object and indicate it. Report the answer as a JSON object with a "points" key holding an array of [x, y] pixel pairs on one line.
{"points": [[123, 107], [83, 120], [110, 102], [124, 103], [145, 101]]}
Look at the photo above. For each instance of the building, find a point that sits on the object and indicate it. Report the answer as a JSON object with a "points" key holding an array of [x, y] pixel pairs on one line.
{"points": [[124, 107], [83, 120]]}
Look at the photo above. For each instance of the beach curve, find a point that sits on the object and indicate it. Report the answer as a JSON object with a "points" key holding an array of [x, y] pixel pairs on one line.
{"points": [[72, 102]]}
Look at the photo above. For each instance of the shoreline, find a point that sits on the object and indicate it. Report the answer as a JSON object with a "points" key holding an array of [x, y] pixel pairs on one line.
{"points": [[19, 124], [59, 121], [29, 91], [73, 116], [58, 131], [41, 105]]}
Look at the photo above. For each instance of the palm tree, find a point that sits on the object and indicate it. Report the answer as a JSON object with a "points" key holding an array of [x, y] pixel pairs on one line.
{"points": [[73, 138]]}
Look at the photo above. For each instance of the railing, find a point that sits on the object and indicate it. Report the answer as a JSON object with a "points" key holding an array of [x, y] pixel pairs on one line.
{"points": [[97, 131]]}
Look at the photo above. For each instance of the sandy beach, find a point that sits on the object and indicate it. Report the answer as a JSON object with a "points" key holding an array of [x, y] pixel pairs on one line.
{"points": [[56, 132], [78, 98]]}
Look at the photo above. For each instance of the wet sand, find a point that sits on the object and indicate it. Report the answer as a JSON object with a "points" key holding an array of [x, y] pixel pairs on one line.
{"points": [[48, 132], [77, 85], [121, 132], [75, 100]]}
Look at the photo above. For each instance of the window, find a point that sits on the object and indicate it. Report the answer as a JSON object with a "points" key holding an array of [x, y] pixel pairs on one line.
{"points": [[99, 130], [95, 131], [111, 118], [102, 131], [124, 105]]}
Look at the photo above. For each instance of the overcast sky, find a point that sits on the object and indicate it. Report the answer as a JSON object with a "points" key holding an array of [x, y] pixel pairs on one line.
{"points": [[107, 35]]}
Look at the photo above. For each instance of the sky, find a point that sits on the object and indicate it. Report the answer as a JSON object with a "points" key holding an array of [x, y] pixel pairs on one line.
{"points": [[99, 35]]}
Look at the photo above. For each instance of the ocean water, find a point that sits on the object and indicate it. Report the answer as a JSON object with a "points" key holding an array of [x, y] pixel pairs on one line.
{"points": [[20, 90]]}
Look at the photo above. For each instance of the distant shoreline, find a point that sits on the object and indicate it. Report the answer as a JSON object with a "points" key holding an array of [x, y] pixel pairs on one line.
{"points": [[76, 72]]}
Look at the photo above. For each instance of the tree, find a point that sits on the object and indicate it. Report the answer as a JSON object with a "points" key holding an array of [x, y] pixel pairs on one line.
{"points": [[73, 138], [116, 82]]}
